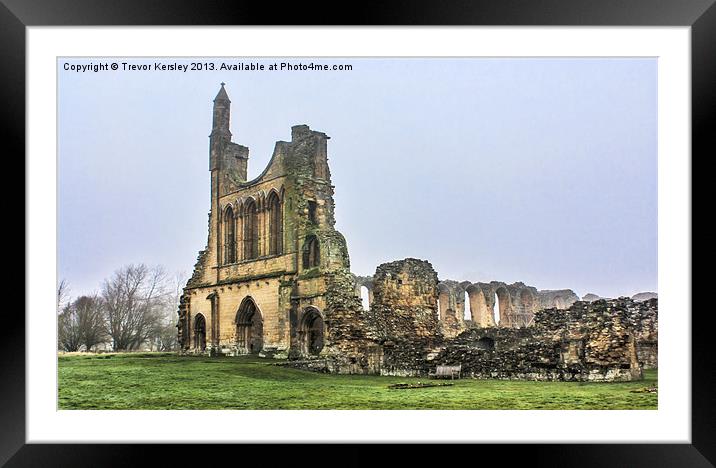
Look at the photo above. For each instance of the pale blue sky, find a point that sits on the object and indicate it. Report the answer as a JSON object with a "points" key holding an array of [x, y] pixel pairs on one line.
{"points": [[535, 170]]}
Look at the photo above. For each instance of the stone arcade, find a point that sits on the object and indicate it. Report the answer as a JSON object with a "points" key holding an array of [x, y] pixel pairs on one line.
{"points": [[274, 280]]}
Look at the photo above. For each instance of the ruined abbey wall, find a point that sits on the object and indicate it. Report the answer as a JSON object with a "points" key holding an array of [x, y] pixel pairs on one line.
{"points": [[265, 282], [464, 304], [403, 334], [588, 341], [274, 280], [645, 318], [403, 317]]}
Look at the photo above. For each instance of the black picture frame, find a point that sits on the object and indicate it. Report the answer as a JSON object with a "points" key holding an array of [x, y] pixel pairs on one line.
{"points": [[700, 15]]}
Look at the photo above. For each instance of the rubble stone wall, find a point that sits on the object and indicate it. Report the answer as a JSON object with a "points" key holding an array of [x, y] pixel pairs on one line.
{"points": [[403, 317], [595, 341], [645, 318]]}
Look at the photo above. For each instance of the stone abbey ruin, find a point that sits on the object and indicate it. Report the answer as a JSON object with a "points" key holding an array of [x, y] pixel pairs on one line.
{"points": [[274, 280]]}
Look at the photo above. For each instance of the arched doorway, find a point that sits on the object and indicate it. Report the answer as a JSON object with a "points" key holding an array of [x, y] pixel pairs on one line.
{"points": [[311, 332], [200, 333], [249, 328]]}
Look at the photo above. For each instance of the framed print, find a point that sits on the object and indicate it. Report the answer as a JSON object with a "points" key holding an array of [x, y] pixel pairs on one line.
{"points": [[461, 234]]}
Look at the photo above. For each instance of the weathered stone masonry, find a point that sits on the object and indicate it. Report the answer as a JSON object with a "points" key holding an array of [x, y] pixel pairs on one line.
{"points": [[272, 275], [589, 341], [274, 279]]}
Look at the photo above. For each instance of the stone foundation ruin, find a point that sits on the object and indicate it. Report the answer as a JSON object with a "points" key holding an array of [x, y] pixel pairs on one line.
{"points": [[403, 335], [274, 280]]}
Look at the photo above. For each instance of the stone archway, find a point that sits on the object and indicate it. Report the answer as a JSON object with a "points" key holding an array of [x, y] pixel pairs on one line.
{"points": [[311, 332], [249, 328], [200, 333]]}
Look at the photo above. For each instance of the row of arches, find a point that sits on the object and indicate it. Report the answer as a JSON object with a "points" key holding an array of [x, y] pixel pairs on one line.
{"points": [[252, 228], [501, 309], [499, 304], [488, 305], [249, 335], [484, 304]]}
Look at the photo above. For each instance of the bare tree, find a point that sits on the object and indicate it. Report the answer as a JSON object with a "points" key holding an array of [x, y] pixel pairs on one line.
{"points": [[81, 323], [165, 336], [69, 334], [91, 318], [133, 299], [63, 292]]}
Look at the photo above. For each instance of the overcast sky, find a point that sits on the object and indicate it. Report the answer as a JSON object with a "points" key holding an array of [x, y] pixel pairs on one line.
{"points": [[535, 170]]}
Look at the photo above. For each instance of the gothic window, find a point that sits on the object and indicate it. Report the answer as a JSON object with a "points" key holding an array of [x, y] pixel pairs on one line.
{"points": [[251, 230], [312, 212], [230, 236], [311, 252], [275, 225]]}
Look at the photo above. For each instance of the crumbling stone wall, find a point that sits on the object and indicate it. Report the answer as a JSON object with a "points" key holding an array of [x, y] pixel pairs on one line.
{"points": [[594, 341], [644, 296], [557, 298], [644, 315], [403, 317], [494, 304], [274, 279], [590, 297]]}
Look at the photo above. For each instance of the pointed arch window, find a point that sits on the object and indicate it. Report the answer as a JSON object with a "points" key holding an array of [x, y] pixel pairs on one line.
{"points": [[229, 236], [312, 212], [275, 225], [251, 231], [311, 252]]}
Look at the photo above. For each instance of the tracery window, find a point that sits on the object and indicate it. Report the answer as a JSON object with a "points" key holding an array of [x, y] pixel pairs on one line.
{"points": [[311, 252], [229, 236], [251, 231], [275, 225]]}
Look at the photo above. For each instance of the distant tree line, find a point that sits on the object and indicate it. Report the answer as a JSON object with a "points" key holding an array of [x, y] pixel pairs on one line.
{"points": [[134, 309]]}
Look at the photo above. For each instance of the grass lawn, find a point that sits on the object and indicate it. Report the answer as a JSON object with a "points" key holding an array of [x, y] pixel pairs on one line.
{"points": [[168, 381]]}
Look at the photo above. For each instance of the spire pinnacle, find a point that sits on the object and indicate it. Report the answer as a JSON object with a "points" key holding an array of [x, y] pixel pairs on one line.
{"points": [[221, 95]]}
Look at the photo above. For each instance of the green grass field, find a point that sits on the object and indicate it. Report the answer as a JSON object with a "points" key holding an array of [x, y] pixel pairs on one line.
{"points": [[168, 381]]}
